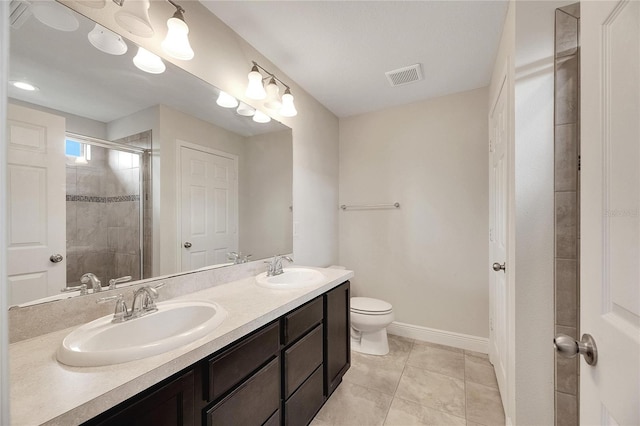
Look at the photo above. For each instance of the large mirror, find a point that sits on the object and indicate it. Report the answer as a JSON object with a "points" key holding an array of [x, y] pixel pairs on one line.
{"points": [[144, 174]]}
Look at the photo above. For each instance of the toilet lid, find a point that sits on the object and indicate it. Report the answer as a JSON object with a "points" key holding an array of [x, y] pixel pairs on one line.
{"points": [[370, 305]]}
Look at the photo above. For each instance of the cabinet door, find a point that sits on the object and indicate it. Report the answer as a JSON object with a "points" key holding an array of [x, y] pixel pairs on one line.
{"points": [[337, 336], [171, 405]]}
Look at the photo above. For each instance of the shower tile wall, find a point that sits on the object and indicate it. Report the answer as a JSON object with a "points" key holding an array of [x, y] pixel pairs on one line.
{"points": [[103, 219], [144, 140], [567, 203]]}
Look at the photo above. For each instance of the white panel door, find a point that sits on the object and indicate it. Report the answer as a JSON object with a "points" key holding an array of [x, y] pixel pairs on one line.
{"points": [[36, 227], [610, 210], [498, 280], [208, 208]]}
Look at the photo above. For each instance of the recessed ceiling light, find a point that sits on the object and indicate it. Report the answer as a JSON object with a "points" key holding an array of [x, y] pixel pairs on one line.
{"points": [[23, 85]]}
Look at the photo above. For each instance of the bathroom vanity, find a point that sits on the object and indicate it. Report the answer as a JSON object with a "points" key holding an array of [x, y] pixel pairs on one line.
{"points": [[274, 361], [279, 374]]}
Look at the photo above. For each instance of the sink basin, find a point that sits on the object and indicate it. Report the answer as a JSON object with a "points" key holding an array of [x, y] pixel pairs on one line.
{"points": [[175, 324], [291, 278]]}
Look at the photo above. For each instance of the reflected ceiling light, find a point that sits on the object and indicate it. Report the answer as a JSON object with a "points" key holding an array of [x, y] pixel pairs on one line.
{"points": [[176, 44], [245, 110], [107, 41], [288, 108], [273, 95], [225, 100], [54, 15], [148, 62], [23, 85], [261, 117], [256, 90], [133, 16]]}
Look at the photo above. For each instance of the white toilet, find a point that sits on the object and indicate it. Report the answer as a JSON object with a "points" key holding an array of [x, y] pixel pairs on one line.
{"points": [[369, 321]]}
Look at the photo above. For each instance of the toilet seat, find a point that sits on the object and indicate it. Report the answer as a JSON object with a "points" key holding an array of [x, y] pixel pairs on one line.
{"points": [[370, 306]]}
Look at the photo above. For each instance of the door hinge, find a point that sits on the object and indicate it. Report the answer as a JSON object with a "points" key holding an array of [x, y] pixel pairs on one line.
{"points": [[579, 163]]}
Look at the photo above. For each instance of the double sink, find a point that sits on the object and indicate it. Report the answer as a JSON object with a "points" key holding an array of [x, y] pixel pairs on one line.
{"points": [[174, 324]]}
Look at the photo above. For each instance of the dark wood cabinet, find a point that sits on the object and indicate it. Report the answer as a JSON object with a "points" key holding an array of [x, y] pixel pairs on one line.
{"points": [[278, 375], [337, 342], [172, 404]]}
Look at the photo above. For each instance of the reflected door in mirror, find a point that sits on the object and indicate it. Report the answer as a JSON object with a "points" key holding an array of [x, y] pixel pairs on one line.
{"points": [[36, 204], [209, 207]]}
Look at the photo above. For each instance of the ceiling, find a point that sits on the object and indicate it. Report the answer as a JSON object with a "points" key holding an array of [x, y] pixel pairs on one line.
{"points": [[338, 51]]}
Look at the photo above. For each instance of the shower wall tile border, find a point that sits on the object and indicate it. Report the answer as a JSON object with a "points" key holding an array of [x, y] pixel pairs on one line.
{"points": [[92, 199]]}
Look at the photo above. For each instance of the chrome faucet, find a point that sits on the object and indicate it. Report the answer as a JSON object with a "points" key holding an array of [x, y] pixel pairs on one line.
{"points": [[143, 304], [96, 285], [274, 266], [114, 281], [238, 257]]}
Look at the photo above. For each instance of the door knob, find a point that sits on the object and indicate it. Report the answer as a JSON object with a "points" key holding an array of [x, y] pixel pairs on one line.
{"points": [[498, 267], [187, 245], [56, 258], [568, 347]]}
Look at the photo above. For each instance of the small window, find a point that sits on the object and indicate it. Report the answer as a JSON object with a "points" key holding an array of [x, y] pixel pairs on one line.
{"points": [[80, 151]]}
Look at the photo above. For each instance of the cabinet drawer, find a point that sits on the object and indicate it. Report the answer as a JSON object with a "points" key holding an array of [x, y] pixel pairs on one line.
{"points": [[274, 420], [302, 319], [305, 402], [234, 365], [253, 403], [301, 359]]}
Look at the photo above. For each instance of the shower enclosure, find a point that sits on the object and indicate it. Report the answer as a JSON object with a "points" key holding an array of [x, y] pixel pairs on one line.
{"points": [[105, 191]]}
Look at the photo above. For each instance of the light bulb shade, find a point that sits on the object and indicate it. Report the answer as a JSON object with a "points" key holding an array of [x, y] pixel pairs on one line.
{"points": [[225, 100], [245, 110], [261, 117], [133, 16], [273, 98], [55, 15], [148, 62], [107, 41], [288, 108], [255, 89], [176, 44]]}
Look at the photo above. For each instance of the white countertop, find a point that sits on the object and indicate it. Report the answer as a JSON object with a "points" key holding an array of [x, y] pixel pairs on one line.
{"points": [[44, 391]]}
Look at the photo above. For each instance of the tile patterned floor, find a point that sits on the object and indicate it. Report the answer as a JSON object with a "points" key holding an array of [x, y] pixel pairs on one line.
{"points": [[417, 383]]}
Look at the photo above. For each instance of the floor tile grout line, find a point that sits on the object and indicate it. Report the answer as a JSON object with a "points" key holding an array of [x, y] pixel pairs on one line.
{"points": [[404, 366]]}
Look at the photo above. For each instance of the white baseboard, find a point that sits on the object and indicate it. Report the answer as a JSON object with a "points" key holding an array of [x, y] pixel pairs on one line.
{"points": [[448, 338]]}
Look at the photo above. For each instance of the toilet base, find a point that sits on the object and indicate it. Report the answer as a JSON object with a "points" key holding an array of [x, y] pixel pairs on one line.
{"points": [[371, 343]]}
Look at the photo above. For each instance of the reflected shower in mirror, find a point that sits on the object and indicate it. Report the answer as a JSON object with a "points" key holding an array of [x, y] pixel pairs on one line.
{"points": [[189, 185]]}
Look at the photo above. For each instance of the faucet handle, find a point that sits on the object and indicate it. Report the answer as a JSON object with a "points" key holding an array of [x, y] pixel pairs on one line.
{"points": [[114, 281], [121, 313]]}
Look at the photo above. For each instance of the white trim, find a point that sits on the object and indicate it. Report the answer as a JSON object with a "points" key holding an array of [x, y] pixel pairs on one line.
{"points": [[441, 337], [4, 329]]}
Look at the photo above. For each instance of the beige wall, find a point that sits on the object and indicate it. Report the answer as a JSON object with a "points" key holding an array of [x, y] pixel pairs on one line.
{"points": [[223, 59], [429, 258], [265, 196]]}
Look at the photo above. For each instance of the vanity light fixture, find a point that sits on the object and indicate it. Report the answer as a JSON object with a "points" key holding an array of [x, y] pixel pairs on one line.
{"points": [[261, 117], [273, 101], [245, 110], [176, 44], [133, 16], [107, 41], [256, 90], [225, 100], [148, 62]]}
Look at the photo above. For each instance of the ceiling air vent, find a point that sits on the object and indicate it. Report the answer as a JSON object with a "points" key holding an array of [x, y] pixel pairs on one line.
{"points": [[405, 75], [19, 12]]}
